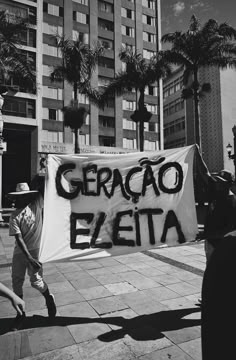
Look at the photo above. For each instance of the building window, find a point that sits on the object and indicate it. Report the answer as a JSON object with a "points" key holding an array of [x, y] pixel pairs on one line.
{"points": [[45, 7], [150, 145], [151, 90], [52, 114], [19, 107], [103, 81], [128, 47], [79, 36], [106, 7], [107, 121], [106, 62], [130, 144], [80, 17], [149, 20], [150, 4], [106, 141], [128, 105], [127, 13], [173, 107], [127, 31], [105, 25], [52, 93], [148, 54], [82, 2], [172, 87], [149, 37], [52, 29], [28, 37], [107, 44], [51, 50], [129, 124], [152, 108], [174, 126]]}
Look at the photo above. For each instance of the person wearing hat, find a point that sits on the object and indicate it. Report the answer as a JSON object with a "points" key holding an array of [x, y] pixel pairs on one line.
{"points": [[26, 225]]}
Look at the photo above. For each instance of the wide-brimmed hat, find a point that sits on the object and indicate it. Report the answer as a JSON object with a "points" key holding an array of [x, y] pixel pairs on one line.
{"points": [[22, 189]]}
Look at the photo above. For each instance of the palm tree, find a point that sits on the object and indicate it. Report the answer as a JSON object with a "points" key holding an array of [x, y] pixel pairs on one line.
{"points": [[138, 74], [79, 62], [200, 46], [74, 118], [13, 61]]}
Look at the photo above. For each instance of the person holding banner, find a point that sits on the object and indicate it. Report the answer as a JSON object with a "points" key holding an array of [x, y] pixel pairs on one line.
{"points": [[26, 225]]}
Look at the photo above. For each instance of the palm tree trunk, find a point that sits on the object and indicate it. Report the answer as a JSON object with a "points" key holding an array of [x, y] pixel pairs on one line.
{"points": [[76, 103], [141, 122], [196, 110], [77, 150]]}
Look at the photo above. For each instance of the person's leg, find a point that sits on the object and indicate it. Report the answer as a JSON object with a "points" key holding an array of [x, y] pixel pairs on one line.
{"points": [[19, 265], [37, 282]]}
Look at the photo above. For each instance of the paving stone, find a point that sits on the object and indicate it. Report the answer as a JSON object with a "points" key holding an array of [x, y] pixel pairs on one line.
{"points": [[10, 346], [145, 340], [97, 350], [90, 264], [120, 288], [84, 283], [99, 271], [150, 271], [121, 319], [95, 292], [84, 332], [108, 279], [119, 269], [68, 297], [65, 267], [108, 262], [54, 278], [143, 283], [160, 293], [165, 279], [171, 352], [178, 303], [35, 303], [45, 339], [184, 334], [76, 275], [60, 287], [107, 305], [183, 288], [141, 304], [67, 353], [78, 310], [192, 348]]}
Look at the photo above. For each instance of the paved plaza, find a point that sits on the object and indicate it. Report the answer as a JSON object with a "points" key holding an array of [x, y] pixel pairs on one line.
{"points": [[140, 306]]}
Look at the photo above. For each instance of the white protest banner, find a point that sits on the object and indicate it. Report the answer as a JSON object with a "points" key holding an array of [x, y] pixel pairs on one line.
{"points": [[100, 205]]}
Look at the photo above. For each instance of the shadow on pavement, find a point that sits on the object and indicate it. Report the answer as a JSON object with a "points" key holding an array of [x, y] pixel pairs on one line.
{"points": [[143, 327]]}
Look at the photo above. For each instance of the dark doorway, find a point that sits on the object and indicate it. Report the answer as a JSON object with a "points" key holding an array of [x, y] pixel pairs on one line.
{"points": [[17, 159]]}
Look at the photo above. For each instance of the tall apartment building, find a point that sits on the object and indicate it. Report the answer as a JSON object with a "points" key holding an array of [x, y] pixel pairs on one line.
{"points": [[34, 122], [217, 114]]}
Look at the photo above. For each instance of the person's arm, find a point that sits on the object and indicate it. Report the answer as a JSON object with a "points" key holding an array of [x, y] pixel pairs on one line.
{"points": [[35, 263], [16, 301]]}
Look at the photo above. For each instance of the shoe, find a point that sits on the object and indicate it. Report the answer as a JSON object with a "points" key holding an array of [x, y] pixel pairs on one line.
{"points": [[52, 309], [18, 322]]}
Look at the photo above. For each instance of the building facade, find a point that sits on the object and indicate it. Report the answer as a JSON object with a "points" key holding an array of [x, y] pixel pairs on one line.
{"points": [[34, 122], [217, 116]]}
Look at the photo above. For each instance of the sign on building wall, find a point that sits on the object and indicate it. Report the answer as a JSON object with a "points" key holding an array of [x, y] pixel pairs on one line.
{"points": [[100, 205]]}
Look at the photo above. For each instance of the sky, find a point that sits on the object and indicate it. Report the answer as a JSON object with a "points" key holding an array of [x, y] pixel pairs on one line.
{"points": [[176, 14]]}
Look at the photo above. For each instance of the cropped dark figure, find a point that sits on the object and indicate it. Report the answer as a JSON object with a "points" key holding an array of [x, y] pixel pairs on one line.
{"points": [[221, 214], [218, 302]]}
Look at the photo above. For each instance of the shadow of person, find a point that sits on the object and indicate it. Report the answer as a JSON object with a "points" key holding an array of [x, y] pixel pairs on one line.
{"points": [[219, 302], [153, 324]]}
